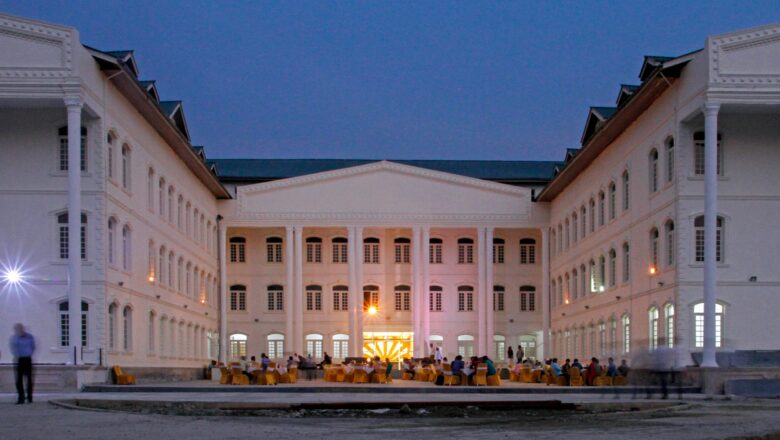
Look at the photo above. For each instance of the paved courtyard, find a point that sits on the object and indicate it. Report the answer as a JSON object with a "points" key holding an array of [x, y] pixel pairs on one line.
{"points": [[694, 417]]}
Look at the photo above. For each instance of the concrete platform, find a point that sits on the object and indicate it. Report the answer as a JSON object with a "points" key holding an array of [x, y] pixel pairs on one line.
{"points": [[397, 387]]}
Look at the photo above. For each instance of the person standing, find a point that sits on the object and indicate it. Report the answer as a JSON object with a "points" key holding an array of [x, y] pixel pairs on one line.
{"points": [[520, 354], [22, 348], [438, 356], [510, 355]]}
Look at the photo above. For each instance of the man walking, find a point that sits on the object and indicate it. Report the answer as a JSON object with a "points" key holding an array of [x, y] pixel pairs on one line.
{"points": [[22, 348]]}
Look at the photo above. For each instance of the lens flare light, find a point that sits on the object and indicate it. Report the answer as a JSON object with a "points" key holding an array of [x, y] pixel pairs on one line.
{"points": [[12, 276]]}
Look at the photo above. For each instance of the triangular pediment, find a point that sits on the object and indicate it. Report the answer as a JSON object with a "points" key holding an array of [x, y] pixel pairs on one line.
{"points": [[748, 57], [383, 191]]}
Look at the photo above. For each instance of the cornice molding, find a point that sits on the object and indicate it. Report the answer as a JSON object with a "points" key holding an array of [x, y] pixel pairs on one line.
{"points": [[721, 45], [40, 33]]}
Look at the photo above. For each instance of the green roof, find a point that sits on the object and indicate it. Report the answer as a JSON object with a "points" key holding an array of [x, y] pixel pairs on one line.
{"points": [[237, 170]]}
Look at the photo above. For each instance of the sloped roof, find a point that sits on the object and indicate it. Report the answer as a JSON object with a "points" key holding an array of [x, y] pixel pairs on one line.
{"points": [[246, 170]]}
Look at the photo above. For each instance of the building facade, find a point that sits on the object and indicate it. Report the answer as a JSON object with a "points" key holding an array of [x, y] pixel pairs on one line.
{"points": [[659, 231]]}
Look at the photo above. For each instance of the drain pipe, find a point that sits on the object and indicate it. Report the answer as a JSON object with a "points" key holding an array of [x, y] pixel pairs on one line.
{"points": [[222, 291]]}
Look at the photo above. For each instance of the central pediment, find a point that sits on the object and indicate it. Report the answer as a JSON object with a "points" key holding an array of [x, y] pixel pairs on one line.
{"points": [[383, 192]]}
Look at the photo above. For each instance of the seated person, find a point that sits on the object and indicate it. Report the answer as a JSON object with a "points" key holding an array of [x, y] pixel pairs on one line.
{"points": [[565, 368], [251, 366], [491, 369], [389, 368], [291, 362], [592, 371], [457, 365], [611, 368], [576, 364], [556, 369], [264, 361], [623, 368]]}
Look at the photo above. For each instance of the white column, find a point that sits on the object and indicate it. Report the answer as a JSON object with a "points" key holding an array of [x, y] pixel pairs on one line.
{"points": [[545, 345], [298, 253], [73, 105], [489, 313], [481, 293], [359, 284], [353, 291], [417, 291], [425, 310], [290, 288], [223, 295], [710, 230]]}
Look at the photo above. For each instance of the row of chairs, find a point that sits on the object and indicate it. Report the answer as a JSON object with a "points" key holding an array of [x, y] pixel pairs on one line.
{"points": [[430, 374], [575, 378], [234, 376], [338, 373]]}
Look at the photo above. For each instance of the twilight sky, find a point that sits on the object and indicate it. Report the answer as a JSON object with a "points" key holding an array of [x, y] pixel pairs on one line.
{"points": [[393, 79]]}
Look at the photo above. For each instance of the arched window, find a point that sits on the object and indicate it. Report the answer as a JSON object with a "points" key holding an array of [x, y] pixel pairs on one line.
{"points": [[171, 273], [574, 283], [626, 180], [527, 251], [371, 250], [465, 299], [498, 298], [653, 250], [465, 251], [180, 213], [698, 317], [652, 331], [110, 139], [161, 267], [583, 281], [434, 298], [669, 318], [370, 297], [187, 220], [112, 327], [527, 298], [594, 277], [340, 346], [592, 218], [63, 149], [435, 248], [126, 248], [313, 298], [237, 346], [553, 294], [566, 288], [65, 323], [273, 247], [669, 144], [466, 346], [499, 347], [698, 227], [161, 198], [403, 250], [652, 161], [237, 297], [612, 200], [498, 251], [602, 339], [151, 333], [275, 346], [553, 242], [612, 268], [275, 298], [126, 166], [626, 321], [127, 329], [583, 223], [403, 298], [313, 250], [602, 273], [314, 345], [171, 197], [613, 335], [112, 241], [237, 249], [698, 154], [63, 235], [150, 190], [601, 208], [566, 234], [559, 241], [626, 262], [339, 250], [670, 242], [180, 276], [574, 227], [152, 269], [340, 298]]}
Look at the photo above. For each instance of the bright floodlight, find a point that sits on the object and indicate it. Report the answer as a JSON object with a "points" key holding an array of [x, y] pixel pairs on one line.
{"points": [[12, 276], [372, 310]]}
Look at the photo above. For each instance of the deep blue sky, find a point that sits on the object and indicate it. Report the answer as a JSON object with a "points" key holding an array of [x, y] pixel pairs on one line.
{"points": [[403, 80]]}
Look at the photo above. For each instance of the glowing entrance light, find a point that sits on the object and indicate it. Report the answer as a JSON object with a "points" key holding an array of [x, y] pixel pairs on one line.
{"points": [[652, 270], [12, 276], [372, 310]]}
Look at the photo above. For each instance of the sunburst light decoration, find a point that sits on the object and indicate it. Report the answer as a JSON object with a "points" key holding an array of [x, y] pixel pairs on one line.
{"points": [[393, 350]]}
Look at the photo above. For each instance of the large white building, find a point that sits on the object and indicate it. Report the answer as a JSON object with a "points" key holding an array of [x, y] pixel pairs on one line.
{"points": [[181, 259]]}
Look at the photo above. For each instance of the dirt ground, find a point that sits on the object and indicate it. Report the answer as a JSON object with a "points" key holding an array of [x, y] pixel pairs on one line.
{"points": [[699, 419]]}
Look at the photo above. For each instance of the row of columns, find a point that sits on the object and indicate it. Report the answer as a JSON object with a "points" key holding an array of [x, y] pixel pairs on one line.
{"points": [[73, 105]]}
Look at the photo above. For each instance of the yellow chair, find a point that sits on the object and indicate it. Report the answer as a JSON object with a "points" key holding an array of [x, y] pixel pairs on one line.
{"points": [[526, 375], [271, 377], [380, 374], [619, 381], [513, 377], [349, 377], [360, 376], [561, 381], [121, 378], [341, 375], [224, 376], [449, 378], [237, 377], [421, 375], [432, 374], [406, 376], [494, 380], [575, 377], [330, 373], [258, 377], [536, 376], [293, 373], [481, 377]]}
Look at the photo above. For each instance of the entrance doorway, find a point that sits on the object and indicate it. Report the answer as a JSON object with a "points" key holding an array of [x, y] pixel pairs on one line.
{"points": [[387, 345]]}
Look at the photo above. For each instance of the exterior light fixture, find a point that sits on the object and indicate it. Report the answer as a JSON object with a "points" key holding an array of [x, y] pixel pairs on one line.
{"points": [[372, 310], [151, 278], [753, 279], [652, 270], [601, 288], [566, 301], [12, 276]]}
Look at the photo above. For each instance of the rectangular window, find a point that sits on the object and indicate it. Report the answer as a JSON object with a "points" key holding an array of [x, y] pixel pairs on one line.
{"points": [[63, 156], [527, 253], [238, 300], [314, 252], [498, 254], [523, 301], [698, 155], [339, 252], [498, 301], [465, 253], [371, 253], [274, 252], [434, 298], [435, 254], [402, 253]]}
